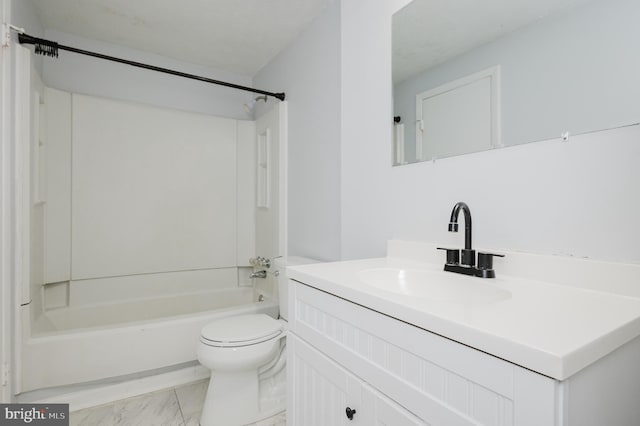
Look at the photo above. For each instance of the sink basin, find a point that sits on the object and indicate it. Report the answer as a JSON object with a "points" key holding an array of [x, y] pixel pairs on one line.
{"points": [[433, 285]]}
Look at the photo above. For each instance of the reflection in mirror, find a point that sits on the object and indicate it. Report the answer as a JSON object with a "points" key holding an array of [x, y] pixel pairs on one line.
{"points": [[470, 76]]}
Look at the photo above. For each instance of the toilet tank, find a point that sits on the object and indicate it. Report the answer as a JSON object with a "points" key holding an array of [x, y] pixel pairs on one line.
{"points": [[281, 264]]}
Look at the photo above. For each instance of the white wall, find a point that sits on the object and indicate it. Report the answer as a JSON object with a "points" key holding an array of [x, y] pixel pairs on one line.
{"points": [[578, 199], [366, 127], [557, 74], [83, 74], [309, 72], [153, 189]]}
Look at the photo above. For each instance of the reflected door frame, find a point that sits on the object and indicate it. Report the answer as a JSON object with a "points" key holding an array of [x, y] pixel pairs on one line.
{"points": [[492, 75]]}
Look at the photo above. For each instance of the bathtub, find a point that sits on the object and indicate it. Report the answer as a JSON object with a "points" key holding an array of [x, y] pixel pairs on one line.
{"points": [[89, 343]]}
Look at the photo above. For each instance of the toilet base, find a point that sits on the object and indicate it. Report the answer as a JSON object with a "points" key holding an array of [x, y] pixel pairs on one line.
{"points": [[235, 399], [232, 399]]}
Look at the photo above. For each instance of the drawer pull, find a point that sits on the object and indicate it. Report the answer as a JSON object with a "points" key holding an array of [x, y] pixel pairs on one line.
{"points": [[350, 412]]}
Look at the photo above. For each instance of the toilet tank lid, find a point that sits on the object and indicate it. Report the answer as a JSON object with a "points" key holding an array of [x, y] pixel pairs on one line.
{"points": [[241, 328]]}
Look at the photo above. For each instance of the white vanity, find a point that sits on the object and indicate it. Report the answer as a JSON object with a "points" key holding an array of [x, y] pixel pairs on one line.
{"points": [[397, 341]]}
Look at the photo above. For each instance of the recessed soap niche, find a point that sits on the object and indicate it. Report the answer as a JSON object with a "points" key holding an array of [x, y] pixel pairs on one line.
{"points": [[56, 295]]}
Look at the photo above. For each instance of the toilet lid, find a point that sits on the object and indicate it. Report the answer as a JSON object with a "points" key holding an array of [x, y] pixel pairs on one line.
{"points": [[244, 329]]}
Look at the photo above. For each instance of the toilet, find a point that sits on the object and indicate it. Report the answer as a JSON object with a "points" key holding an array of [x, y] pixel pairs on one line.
{"points": [[246, 356]]}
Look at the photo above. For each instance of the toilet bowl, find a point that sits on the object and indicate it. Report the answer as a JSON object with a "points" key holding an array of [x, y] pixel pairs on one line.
{"points": [[246, 356], [233, 349]]}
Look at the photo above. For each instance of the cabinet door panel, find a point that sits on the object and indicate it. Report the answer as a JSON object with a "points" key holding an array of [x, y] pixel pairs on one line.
{"points": [[320, 390]]}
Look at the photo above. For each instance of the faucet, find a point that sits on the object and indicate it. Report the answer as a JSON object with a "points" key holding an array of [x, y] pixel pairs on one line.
{"points": [[468, 255], [258, 274], [467, 265]]}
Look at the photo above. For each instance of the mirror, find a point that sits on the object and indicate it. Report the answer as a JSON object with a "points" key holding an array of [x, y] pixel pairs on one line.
{"points": [[470, 75]]}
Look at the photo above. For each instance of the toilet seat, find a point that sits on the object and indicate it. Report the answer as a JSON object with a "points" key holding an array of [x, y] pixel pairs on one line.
{"points": [[241, 330]]}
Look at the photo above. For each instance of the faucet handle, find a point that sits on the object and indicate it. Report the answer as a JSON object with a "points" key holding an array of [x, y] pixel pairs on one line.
{"points": [[485, 260], [453, 255], [260, 262]]}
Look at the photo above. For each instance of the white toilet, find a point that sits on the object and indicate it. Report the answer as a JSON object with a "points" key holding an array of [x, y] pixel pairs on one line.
{"points": [[246, 356]]}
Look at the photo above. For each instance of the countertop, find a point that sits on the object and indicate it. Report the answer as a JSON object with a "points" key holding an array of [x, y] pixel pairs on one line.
{"points": [[553, 329]]}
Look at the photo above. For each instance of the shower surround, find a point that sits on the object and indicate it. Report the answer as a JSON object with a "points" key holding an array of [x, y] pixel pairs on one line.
{"points": [[145, 231]]}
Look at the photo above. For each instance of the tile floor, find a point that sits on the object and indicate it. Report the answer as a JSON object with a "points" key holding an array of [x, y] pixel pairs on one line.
{"points": [[180, 406]]}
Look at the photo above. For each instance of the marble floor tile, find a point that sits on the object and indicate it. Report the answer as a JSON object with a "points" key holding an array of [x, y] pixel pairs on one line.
{"points": [[192, 419], [191, 397], [102, 415], [279, 419], [179, 406], [158, 408]]}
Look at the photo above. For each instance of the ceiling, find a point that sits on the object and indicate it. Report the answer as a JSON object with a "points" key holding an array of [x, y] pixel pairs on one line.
{"points": [[429, 32], [239, 36]]}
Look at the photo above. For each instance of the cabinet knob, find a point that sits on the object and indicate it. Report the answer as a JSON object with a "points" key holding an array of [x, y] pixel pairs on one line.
{"points": [[350, 412]]}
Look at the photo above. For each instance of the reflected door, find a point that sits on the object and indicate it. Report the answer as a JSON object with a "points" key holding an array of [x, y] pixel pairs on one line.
{"points": [[459, 117]]}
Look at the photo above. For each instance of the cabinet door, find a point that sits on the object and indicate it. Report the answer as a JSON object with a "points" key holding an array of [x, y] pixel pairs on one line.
{"points": [[320, 391], [382, 411]]}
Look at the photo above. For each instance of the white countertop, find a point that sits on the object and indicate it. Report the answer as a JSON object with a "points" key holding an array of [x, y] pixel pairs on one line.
{"points": [[553, 329]]}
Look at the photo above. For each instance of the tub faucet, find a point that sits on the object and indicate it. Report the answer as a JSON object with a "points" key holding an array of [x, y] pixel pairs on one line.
{"points": [[467, 265], [258, 274]]}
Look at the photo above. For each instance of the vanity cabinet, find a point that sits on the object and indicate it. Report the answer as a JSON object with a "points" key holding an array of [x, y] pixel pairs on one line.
{"points": [[341, 355]]}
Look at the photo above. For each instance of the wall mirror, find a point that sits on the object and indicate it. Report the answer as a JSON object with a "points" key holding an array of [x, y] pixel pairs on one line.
{"points": [[470, 76]]}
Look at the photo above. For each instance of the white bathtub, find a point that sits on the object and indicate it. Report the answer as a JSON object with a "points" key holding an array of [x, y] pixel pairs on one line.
{"points": [[75, 345]]}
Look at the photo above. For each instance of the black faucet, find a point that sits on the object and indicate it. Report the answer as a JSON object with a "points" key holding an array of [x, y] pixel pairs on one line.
{"points": [[467, 265], [468, 255]]}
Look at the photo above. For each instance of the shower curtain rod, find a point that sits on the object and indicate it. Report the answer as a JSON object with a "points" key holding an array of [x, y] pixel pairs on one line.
{"points": [[50, 48]]}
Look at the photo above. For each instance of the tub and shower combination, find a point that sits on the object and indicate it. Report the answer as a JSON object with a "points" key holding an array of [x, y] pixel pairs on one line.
{"points": [[142, 237]]}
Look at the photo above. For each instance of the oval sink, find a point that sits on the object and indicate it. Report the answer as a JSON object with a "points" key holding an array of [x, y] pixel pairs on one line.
{"points": [[433, 285]]}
